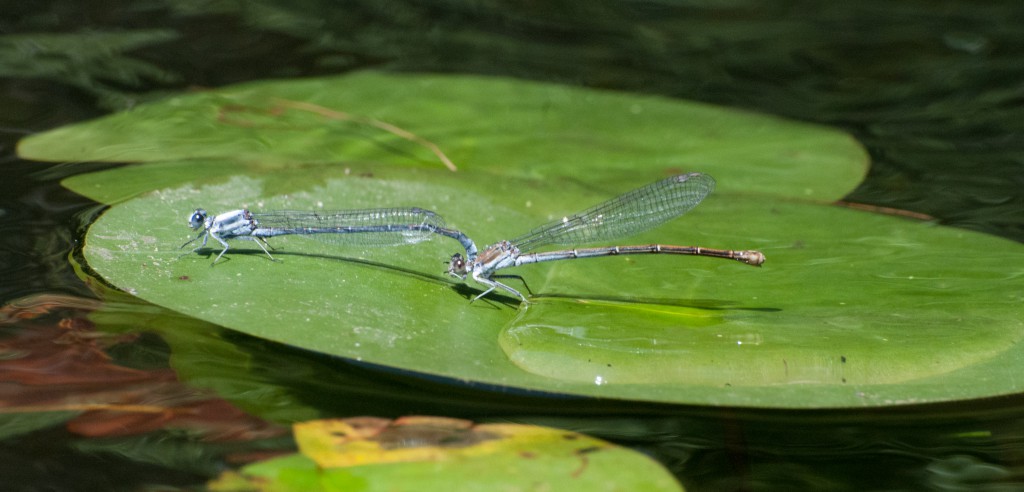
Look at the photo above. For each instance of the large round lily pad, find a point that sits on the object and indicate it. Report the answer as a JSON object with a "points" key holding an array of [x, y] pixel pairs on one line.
{"points": [[507, 127], [851, 308]]}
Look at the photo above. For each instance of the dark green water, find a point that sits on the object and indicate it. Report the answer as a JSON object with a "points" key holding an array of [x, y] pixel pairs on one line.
{"points": [[933, 89]]}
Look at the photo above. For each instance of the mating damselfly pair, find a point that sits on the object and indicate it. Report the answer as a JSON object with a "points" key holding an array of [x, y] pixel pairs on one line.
{"points": [[631, 213]]}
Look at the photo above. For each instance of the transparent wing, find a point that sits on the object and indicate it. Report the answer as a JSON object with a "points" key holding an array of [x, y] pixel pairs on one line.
{"points": [[362, 227], [631, 213]]}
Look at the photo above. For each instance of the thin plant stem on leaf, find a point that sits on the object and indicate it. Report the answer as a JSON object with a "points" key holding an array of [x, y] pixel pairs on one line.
{"points": [[388, 127]]}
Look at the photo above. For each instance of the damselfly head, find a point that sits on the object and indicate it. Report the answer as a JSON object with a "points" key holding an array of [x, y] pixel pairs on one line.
{"points": [[457, 266], [198, 219]]}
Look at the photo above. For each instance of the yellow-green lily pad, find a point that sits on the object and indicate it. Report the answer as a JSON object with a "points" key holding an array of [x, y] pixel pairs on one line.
{"points": [[432, 453]]}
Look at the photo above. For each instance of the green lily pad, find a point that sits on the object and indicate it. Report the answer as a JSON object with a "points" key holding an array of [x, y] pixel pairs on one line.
{"points": [[872, 314], [522, 129], [851, 308], [429, 453]]}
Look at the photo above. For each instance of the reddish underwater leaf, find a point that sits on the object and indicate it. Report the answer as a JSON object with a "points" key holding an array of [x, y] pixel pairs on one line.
{"points": [[54, 360]]}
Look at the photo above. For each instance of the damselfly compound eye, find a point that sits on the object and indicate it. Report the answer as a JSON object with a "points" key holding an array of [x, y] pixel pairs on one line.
{"points": [[198, 219]]}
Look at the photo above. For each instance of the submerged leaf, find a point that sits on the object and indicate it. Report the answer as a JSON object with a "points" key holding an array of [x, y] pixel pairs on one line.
{"points": [[98, 397]]}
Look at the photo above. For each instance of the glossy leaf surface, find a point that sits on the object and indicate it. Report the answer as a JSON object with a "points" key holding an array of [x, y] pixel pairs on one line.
{"points": [[851, 308]]}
